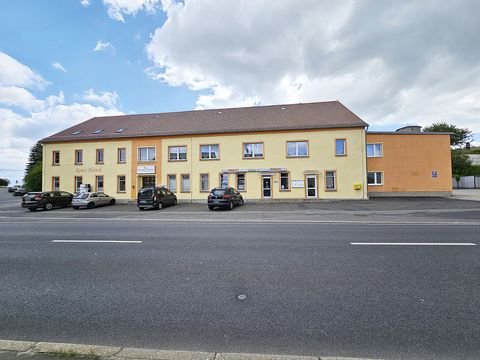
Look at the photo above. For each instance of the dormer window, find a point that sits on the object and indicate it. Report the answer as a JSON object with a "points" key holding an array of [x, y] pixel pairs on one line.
{"points": [[76, 132], [98, 131], [118, 131]]}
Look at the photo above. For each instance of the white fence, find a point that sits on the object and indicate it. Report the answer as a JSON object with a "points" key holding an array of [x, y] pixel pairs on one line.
{"points": [[467, 182]]}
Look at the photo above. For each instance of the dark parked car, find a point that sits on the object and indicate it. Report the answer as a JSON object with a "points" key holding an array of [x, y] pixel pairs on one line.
{"points": [[46, 200], [226, 197], [155, 198]]}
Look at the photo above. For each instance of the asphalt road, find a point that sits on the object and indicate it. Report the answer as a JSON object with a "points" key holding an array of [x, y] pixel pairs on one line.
{"points": [[308, 290]]}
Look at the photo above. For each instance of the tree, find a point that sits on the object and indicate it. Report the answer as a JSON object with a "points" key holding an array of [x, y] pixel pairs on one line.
{"points": [[461, 163], [458, 137], [33, 170], [35, 157], [33, 180], [4, 182]]}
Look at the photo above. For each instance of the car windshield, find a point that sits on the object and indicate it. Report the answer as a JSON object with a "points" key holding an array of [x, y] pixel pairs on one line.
{"points": [[218, 192], [81, 196]]}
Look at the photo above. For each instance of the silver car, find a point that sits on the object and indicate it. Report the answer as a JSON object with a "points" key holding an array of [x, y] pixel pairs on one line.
{"points": [[91, 200]]}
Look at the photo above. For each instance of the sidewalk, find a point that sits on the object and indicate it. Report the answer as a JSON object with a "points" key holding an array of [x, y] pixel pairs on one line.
{"points": [[19, 350], [466, 194]]}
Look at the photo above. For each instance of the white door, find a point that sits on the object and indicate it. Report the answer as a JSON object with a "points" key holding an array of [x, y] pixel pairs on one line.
{"points": [[267, 186], [311, 186]]}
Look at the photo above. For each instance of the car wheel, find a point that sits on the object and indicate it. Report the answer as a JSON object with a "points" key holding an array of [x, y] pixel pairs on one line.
{"points": [[90, 205], [210, 207], [160, 206], [48, 206], [75, 207], [174, 201], [112, 202], [140, 208], [31, 209], [241, 202], [230, 205]]}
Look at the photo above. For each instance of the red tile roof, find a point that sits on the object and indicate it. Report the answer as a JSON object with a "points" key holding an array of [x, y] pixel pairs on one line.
{"points": [[320, 115]]}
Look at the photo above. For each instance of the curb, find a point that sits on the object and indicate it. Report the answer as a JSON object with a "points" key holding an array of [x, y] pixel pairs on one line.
{"points": [[119, 353]]}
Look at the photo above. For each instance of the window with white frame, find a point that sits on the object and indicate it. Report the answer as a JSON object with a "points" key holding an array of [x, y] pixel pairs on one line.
{"points": [[172, 183], [185, 182], [55, 183], [297, 148], [56, 157], [146, 153], [241, 182], [99, 158], [340, 147], [204, 182], [375, 150], [78, 182], [284, 180], [121, 183], [375, 178], [177, 153], [122, 155], [99, 183], [330, 180], [223, 180], [253, 150], [209, 152], [78, 157]]}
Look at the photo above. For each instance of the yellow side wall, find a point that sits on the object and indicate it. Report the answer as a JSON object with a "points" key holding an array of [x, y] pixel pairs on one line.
{"points": [[408, 161], [67, 170]]}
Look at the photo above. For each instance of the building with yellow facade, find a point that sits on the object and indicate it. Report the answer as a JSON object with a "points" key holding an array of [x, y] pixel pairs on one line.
{"points": [[281, 152]]}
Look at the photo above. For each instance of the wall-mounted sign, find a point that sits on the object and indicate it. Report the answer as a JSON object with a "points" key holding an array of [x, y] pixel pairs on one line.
{"points": [[298, 183], [265, 170], [434, 174], [146, 169], [88, 170]]}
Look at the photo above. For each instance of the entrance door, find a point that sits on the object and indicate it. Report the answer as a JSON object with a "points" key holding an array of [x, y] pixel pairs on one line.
{"points": [[148, 181], [311, 186], [267, 186]]}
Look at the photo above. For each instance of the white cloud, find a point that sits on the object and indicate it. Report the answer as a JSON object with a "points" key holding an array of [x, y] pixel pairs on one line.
{"points": [[85, 3], [25, 118], [390, 62], [106, 98], [59, 66], [14, 73], [117, 8], [103, 46]]}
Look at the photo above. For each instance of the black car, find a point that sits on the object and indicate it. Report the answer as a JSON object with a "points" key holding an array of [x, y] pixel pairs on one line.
{"points": [[155, 198], [46, 200], [226, 197]]}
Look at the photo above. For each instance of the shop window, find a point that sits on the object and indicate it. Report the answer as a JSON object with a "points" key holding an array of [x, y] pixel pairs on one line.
{"points": [[241, 182], [284, 181]]}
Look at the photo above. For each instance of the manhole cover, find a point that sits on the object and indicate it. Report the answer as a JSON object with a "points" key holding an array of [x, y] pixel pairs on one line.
{"points": [[241, 297]]}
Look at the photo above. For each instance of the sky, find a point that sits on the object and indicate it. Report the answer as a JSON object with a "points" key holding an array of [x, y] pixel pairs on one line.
{"points": [[393, 63]]}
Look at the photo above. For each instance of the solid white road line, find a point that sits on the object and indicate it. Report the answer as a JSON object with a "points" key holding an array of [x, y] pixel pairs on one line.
{"points": [[99, 241], [411, 244]]}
